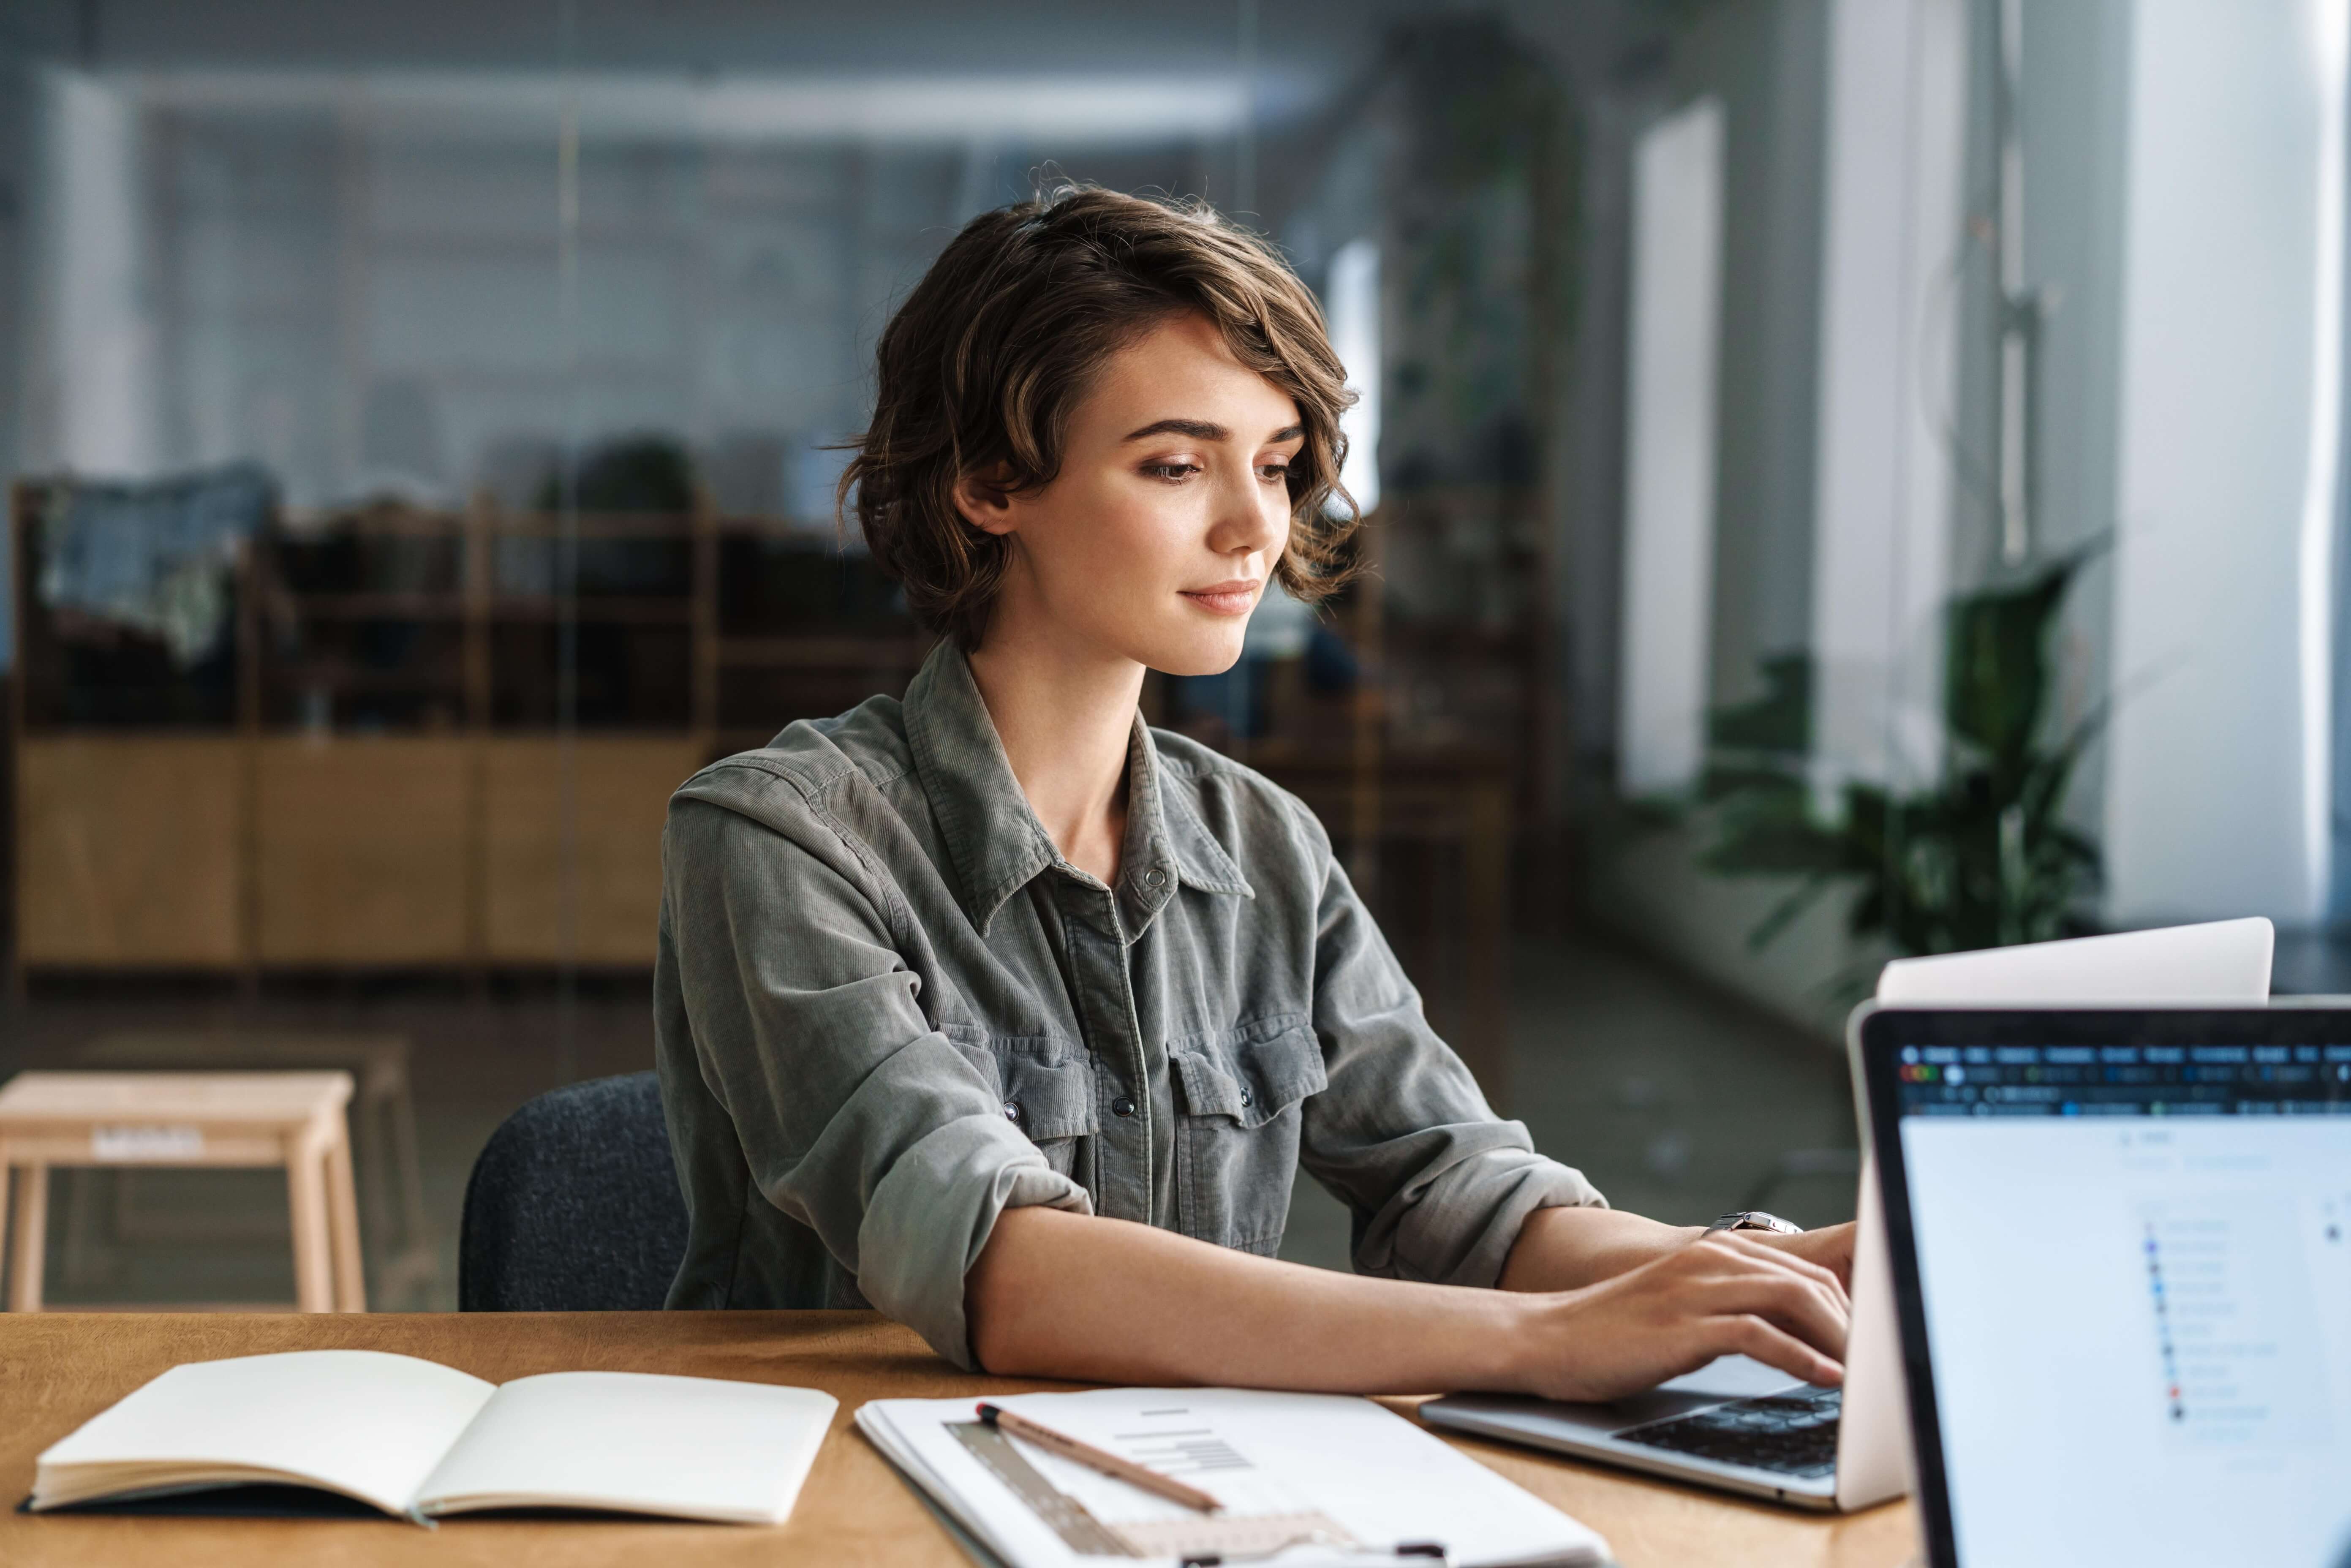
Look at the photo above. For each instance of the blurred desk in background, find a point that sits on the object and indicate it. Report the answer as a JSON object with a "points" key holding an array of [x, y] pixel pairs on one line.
{"points": [[291, 1120], [61, 1369], [402, 1260]]}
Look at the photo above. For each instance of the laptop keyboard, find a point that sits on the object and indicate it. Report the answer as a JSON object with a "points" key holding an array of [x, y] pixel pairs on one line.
{"points": [[1794, 1434]]}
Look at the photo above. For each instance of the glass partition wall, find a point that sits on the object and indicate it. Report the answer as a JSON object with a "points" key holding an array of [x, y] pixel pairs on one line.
{"points": [[424, 456], [424, 430]]}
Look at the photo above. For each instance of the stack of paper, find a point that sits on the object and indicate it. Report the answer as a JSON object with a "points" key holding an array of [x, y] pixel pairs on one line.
{"points": [[1312, 1477]]}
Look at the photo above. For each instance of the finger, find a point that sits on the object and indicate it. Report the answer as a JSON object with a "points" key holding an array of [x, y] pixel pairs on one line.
{"points": [[1749, 1335], [1802, 1307], [1791, 1251], [1757, 1250], [1797, 1308]]}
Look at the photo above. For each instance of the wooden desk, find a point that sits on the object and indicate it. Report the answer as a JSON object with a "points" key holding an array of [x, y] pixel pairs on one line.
{"points": [[56, 1370]]}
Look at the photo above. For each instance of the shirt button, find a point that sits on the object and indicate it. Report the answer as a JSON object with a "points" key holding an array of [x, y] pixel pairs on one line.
{"points": [[1245, 1098], [1012, 1110], [1121, 1106], [1154, 877]]}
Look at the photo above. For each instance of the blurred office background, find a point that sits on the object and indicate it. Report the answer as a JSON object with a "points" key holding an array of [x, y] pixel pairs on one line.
{"points": [[1848, 477]]}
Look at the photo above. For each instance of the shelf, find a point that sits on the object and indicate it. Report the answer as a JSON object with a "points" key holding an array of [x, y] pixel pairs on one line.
{"points": [[608, 608], [624, 608], [310, 526], [550, 526], [378, 606], [587, 733], [437, 679], [421, 826], [1455, 636], [821, 653]]}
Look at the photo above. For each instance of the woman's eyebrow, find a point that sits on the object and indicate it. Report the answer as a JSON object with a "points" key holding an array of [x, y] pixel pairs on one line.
{"points": [[1197, 429], [1203, 430]]}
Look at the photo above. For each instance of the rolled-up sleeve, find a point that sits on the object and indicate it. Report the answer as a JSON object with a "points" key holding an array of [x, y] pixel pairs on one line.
{"points": [[1438, 1184], [856, 1118]]}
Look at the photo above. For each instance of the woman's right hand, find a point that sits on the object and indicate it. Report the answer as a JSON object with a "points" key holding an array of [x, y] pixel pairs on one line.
{"points": [[1720, 1295]]}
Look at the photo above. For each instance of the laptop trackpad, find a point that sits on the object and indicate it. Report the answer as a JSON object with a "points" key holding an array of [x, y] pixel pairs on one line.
{"points": [[1723, 1378]]}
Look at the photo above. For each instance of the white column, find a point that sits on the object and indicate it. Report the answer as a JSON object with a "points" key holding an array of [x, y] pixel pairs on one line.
{"points": [[1895, 155], [1669, 441], [97, 377], [2218, 781], [1353, 307]]}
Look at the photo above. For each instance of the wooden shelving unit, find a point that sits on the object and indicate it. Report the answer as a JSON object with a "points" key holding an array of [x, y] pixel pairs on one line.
{"points": [[370, 774]]}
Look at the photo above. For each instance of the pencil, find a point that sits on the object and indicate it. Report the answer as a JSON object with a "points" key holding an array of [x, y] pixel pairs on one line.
{"points": [[1101, 1459]]}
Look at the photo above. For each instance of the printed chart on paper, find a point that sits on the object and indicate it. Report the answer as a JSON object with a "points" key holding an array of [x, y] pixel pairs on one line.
{"points": [[1100, 1515]]}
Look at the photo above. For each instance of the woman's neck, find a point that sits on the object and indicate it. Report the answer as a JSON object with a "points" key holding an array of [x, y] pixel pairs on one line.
{"points": [[1065, 717]]}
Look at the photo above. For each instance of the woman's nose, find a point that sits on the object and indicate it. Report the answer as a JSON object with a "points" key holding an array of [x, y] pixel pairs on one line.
{"points": [[1250, 516]]}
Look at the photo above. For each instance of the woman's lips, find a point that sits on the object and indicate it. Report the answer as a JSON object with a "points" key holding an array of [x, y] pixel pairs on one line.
{"points": [[1234, 598]]}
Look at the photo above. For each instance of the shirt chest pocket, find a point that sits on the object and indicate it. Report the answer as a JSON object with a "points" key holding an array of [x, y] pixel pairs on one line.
{"points": [[1237, 1148], [1048, 1090]]}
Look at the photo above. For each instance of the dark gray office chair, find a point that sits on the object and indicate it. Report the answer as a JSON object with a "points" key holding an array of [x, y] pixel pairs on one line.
{"points": [[574, 1206]]}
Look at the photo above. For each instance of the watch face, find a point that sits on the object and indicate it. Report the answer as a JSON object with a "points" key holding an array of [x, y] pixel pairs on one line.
{"points": [[1756, 1219]]}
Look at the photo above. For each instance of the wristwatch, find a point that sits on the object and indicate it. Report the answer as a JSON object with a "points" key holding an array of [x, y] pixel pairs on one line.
{"points": [[1755, 1219]]}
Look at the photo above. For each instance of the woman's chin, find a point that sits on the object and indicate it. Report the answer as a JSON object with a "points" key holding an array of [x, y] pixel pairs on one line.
{"points": [[1174, 667], [1192, 659], [1186, 650]]}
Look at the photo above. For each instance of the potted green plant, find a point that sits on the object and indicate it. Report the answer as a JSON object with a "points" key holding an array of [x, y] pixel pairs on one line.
{"points": [[1983, 857]]}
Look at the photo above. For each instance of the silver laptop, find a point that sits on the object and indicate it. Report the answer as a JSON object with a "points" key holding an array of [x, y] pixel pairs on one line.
{"points": [[1742, 1426], [2121, 1251]]}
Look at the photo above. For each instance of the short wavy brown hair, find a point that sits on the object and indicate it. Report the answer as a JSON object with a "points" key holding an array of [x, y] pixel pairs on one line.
{"points": [[982, 366]]}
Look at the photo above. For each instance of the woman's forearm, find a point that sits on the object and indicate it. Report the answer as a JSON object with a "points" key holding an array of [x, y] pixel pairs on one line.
{"points": [[1058, 1294], [1566, 1248]]}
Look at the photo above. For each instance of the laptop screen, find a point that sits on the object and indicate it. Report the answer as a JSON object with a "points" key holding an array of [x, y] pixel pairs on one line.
{"points": [[2132, 1263]]}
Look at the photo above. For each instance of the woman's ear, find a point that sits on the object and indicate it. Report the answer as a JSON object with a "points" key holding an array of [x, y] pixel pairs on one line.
{"points": [[985, 496]]}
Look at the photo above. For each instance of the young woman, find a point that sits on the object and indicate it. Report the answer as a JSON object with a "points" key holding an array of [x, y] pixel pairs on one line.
{"points": [[1010, 1016]]}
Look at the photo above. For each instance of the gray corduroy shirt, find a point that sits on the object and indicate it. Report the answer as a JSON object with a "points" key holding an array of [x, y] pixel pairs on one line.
{"points": [[887, 1009]]}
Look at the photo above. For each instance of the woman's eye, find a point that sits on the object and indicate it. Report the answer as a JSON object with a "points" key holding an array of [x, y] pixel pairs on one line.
{"points": [[1273, 473], [1174, 473]]}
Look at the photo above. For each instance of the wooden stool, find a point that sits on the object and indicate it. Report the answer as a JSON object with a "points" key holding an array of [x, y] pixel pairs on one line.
{"points": [[289, 1119], [382, 1117]]}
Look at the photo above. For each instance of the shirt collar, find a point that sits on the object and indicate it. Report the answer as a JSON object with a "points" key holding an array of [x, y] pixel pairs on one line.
{"points": [[996, 842]]}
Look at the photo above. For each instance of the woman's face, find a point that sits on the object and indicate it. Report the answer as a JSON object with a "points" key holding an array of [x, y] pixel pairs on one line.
{"points": [[1156, 538]]}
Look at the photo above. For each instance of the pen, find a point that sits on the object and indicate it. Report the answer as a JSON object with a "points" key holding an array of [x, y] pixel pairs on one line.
{"points": [[1101, 1459], [1425, 1551]]}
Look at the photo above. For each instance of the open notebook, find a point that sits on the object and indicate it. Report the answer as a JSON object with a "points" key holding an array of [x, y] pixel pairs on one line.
{"points": [[420, 1439], [1303, 1478]]}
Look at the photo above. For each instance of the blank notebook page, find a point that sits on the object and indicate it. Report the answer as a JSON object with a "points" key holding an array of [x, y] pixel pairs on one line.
{"points": [[367, 1424], [696, 1446]]}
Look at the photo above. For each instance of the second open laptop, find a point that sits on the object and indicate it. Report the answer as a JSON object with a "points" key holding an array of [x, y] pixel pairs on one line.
{"points": [[2121, 1240], [1741, 1427]]}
